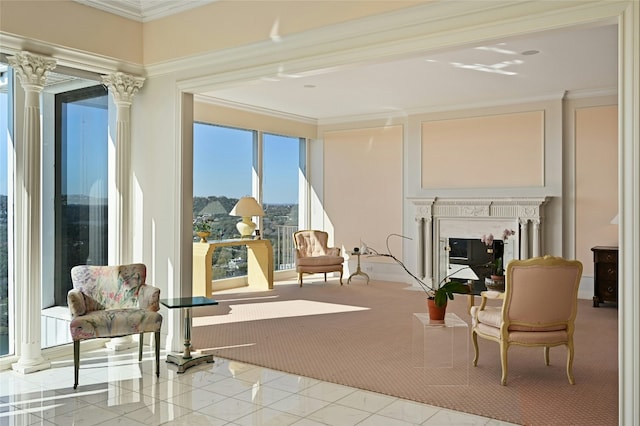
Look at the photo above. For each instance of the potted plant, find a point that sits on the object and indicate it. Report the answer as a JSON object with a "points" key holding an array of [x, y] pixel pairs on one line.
{"points": [[202, 228], [498, 271], [437, 295]]}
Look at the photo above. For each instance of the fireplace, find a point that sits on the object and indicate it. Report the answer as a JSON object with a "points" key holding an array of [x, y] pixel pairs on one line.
{"points": [[440, 221]]}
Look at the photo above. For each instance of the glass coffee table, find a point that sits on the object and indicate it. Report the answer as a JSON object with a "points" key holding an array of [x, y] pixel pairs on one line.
{"points": [[187, 358]]}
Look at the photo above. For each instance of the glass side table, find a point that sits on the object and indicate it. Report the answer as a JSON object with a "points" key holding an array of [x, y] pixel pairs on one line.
{"points": [[358, 270], [441, 349], [187, 358]]}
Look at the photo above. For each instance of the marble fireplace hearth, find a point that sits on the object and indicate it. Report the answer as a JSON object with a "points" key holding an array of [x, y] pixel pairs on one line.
{"points": [[439, 219]]}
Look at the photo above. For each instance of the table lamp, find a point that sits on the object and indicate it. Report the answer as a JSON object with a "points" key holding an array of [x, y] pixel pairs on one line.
{"points": [[246, 207]]}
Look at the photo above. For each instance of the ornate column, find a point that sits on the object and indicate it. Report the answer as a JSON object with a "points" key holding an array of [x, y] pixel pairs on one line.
{"points": [[524, 238], [424, 245], [31, 71], [535, 238], [122, 87]]}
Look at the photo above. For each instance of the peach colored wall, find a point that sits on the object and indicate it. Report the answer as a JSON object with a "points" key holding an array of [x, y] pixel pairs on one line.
{"points": [[225, 116], [363, 186], [596, 181], [504, 150], [71, 24], [226, 24]]}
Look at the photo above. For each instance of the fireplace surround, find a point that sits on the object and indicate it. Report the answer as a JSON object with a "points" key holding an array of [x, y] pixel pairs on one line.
{"points": [[438, 219]]}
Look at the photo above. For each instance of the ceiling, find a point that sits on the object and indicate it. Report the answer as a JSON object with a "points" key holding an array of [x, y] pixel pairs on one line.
{"points": [[535, 67]]}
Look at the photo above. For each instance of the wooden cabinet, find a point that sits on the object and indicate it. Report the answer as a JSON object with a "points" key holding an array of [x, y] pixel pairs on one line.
{"points": [[605, 274]]}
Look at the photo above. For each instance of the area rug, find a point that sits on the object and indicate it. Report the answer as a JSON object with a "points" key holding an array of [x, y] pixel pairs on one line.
{"points": [[364, 336]]}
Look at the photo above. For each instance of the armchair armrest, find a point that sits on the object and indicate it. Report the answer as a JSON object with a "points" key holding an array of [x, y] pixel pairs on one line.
{"points": [[490, 294], [75, 301], [333, 251], [149, 298]]}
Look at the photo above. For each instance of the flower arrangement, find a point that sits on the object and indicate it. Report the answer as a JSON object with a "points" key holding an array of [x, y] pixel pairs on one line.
{"points": [[497, 263]]}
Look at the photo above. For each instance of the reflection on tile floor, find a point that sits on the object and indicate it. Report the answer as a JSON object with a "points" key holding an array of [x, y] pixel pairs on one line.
{"points": [[115, 389]]}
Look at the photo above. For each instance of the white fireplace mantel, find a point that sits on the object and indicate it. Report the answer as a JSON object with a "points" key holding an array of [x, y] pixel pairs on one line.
{"points": [[439, 219]]}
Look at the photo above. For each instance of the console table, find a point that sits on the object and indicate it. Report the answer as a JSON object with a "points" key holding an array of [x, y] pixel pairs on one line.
{"points": [[259, 264]]}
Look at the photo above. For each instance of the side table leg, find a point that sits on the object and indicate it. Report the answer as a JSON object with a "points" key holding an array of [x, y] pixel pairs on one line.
{"points": [[187, 333], [187, 360]]}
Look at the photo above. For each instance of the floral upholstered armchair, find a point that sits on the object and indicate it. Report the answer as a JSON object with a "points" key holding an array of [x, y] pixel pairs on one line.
{"points": [[313, 256], [112, 301]]}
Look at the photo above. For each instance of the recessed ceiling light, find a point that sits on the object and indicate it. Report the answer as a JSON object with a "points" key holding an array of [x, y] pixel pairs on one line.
{"points": [[530, 52]]}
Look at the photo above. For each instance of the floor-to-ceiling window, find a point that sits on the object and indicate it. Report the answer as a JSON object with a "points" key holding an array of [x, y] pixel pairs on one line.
{"points": [[81, 191], [74, 191], [6, 201], [222, 174], [229, 163], [282, 175]]}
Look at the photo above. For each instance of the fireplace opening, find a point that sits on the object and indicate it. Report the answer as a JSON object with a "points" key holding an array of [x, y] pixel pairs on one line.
{"points": [[475, 254]]}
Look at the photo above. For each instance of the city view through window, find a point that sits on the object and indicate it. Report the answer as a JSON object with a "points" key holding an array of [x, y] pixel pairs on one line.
{"points": [[225, 168]]}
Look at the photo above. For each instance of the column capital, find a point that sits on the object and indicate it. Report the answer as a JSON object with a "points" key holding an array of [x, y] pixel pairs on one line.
{"points": [[123, 86], [32, 69]]}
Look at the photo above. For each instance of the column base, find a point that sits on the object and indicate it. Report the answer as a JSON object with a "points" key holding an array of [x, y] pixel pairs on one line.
{"points": [[42, 364]]}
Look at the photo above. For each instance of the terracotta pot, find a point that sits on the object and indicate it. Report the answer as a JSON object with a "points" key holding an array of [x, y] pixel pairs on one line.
{"points": [[436, 313]]}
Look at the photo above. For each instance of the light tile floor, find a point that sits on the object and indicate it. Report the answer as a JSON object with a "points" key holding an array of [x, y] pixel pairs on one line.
{"points": [[115, 389]]}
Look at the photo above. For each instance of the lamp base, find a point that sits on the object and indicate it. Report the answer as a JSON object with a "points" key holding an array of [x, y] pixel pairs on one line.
{"points": [[246, 227]]}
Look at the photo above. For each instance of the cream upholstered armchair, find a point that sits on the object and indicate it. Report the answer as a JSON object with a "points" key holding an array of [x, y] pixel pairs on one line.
{"points": [[313, 256], [538, 309], [112, 301]]}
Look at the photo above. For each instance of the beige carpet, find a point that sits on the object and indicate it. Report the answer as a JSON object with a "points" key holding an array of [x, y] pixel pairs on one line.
{"points": [[365, 336]]}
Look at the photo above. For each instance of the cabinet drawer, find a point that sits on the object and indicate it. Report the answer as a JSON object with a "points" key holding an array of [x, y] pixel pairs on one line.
{"points": [[608, 291], [606, 257], [607, 272]]}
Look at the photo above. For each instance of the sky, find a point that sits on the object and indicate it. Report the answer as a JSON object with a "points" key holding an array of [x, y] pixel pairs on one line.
{"points": [[223, 163]]}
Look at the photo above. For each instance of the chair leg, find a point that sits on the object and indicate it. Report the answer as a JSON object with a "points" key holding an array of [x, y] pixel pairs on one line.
{"points": [[474, 338], [570, 363], [157, 341], [504, 347], [546, 355], [76, 362], [140, 347], [325, 277], [300, 278], [341, 271]]}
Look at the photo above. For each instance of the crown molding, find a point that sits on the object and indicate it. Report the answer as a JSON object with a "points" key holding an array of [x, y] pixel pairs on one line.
{"points": [[591, 93], [144, 10], [68, 57], [254, 109]]}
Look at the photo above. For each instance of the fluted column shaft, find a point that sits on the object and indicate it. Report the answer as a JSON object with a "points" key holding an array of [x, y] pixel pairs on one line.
{"points": [[524, 238], [535, 237], [123, 87], [31, 71]]}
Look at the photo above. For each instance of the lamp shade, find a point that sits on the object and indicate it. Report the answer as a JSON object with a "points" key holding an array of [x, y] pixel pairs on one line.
{"points": [[247, 206]]}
